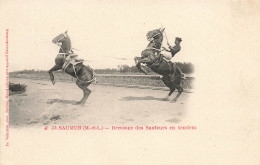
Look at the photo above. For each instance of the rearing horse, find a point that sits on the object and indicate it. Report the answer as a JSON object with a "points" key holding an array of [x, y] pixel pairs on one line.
{"points": [[150, 57], [152, 51], [83, 74]]}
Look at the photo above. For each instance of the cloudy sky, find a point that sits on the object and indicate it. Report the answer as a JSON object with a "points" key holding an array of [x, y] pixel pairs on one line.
{"points": [[105, 29]]}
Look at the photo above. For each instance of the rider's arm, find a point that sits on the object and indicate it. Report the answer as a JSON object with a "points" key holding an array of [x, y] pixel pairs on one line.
{"points": [[165, 49], [174, 49]]}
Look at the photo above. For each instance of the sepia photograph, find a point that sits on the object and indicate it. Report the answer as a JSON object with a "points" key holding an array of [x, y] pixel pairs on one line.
{"points": [[117, 70], [129, 82]]}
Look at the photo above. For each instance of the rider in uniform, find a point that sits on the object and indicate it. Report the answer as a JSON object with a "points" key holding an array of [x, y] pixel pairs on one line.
{"points": [[173, 50], [176, 48]]}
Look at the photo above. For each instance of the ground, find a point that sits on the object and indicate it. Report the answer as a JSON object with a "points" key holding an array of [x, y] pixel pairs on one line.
{"points": [[45, 104]]}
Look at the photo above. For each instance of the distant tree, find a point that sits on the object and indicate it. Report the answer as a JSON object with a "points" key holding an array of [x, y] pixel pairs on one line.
{"points": [[17, 88], [123, 68], [186, 68]]}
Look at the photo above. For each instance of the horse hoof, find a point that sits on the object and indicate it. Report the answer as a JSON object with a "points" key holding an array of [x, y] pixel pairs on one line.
{"points": [[80, 103], [53, 82], [74, 103], [166, 99], [173, 101], [136, 60]]}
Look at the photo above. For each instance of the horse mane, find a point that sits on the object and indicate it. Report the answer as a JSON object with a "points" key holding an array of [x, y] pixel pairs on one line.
{"points": [[152, 32], [55, 39], [157, 35]]}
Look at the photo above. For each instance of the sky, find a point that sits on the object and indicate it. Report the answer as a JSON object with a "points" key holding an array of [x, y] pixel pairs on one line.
{"points": [[106, 30]]}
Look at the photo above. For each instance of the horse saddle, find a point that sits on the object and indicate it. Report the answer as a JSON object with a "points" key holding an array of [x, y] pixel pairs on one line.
{"points": [[71, 59]]}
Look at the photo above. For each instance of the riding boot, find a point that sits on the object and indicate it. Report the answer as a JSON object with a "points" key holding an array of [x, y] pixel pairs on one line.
{"points": [[159, 61], [182, 75], [172, 65]]}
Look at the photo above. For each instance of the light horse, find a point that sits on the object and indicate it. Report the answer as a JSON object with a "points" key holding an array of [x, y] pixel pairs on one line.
{"points": [[151, 55], [83, 74]]}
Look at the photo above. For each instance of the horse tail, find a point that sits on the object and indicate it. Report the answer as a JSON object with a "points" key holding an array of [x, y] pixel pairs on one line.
{"points": [[93, 77]]}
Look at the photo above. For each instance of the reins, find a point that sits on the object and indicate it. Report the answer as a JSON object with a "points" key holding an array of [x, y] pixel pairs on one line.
{"points": [[151, 48]]}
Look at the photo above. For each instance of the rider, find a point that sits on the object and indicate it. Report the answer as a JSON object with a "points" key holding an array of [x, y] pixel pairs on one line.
{"points": [[175, 49]]}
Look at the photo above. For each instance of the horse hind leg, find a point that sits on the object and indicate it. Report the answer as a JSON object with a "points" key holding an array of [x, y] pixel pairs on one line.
{"points": [[167, 81], [86, 91], [56, 67], [180, 90], [173, 81], [172, 89]]}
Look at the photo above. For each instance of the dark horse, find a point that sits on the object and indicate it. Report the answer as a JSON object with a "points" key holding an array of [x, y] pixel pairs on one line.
{"points": [[151, 57], [83, 74]]}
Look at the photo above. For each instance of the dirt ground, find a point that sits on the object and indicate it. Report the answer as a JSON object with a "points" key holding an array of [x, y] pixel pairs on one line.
{"points": [[45, 104]]}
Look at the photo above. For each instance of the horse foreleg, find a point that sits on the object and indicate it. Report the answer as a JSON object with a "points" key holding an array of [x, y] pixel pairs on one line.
{"points": [[138, 61], [142, 69], [86, 91], [56, 67]]}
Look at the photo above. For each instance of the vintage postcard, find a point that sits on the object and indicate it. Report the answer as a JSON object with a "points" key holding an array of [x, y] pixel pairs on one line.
{"points": [[129, 82]]}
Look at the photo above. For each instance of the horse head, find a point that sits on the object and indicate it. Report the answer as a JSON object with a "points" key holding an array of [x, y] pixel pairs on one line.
{"points": [[65, 40], [60, 38], [155, 37]]}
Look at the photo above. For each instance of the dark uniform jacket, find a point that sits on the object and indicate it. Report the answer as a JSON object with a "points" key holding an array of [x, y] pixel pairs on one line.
{"points": [[175, 49]]}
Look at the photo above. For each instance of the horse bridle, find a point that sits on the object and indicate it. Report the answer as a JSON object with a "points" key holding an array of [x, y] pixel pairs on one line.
{"points": [[155, 36], [60, 46], [152, 39], [61, 37]]}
